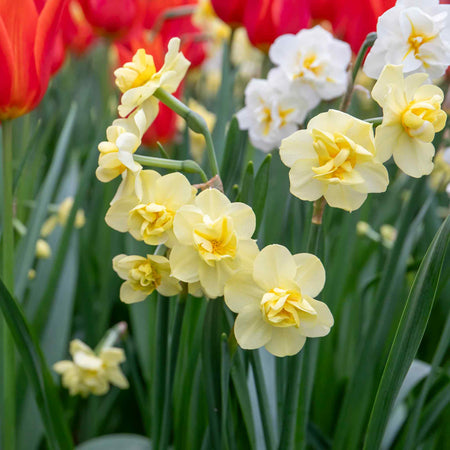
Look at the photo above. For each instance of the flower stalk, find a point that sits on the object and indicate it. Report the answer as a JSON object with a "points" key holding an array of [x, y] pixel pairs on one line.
{"points": [[369, 41], [188, 165], [8, 363], [194, 121]]}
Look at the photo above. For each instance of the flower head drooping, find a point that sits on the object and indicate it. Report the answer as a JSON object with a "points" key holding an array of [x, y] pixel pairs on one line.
{"points": [[412, 116], [415, 33], [91, 373], [213, 241], [335, 158], [144, 275], [138, 80], [275, 302], [146, 205], [313, 62], [270, 113]]}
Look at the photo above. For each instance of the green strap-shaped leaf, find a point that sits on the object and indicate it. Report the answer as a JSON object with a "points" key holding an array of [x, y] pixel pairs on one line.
{"points": [[117, 442], [260, 192], [47, 399], [248, 185], [409, 335]]}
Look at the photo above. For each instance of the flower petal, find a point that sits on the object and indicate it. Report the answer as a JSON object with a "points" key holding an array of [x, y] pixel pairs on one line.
{"points": [[241, 291], [285, 341], [251, 330], [310, 274]]}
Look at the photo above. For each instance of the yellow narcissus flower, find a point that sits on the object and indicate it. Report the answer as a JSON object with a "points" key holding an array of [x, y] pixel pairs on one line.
{"points": [[138, 79], [144, 275], [275, 303], [412, 116], [90, 373], [334, 157], [213, 241], [61, 216], [146, 205], [43, 250]]}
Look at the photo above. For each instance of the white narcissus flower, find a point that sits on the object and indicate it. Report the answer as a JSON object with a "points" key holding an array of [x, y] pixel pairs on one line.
{"points": [[138, 79], [415, 33], [214, 240], [411, 116], [144, 275], [334, 157], [91, 373], [270, 113], [145, 205], [313, 62], [275, 302]]}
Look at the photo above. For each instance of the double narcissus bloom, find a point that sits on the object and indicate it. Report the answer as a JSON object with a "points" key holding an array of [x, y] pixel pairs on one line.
{"points": [[213, 241], [146, 206], [144, 275], [91, 373], [334, 157], [271, 112], [275, 302], [412, 116], [138, 80], [414, 33], [313, 62], [29, 44]]}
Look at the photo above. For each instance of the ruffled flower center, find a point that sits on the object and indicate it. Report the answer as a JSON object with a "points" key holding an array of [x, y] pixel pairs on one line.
{"points": [[144, 276], [136, 73], [336, 153], [151, 219], [423, 118], [308, 64], [285, 308], [215, 240]]}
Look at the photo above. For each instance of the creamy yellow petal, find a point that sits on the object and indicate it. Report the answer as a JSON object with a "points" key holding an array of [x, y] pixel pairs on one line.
{"points": [[117, 378], [273, 266], [391, 75], [251, 330], [185, 219], [213, 278], [112, 355], [185, 262], [149, 179], [130, 295], [345, 197], [310, 275], [212, 202], [169, 286], [79, 346], [174, 190], [375, 177], [303, 184], [414, 157], [297, 146], [244, 219], [320, 324], [241, 291], [285, 341], [118, 214]]}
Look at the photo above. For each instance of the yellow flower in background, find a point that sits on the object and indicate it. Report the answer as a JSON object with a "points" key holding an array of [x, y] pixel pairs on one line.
{"points": [[412, 116], [144, 275], [275, 302], [197, 141], [206, 19], [61, 216], [138, 79], [146, 205], [440, 177], [43, 250], [334, 157], [90, 373], [213, 241]]}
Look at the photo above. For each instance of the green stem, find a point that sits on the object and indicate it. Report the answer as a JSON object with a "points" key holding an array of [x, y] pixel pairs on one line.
{"points": [[8, 363], [375, 120], [174, 346], [302, 366], [369, 41], [187, 165], [160, 367], [263, 400], [194, 121]]}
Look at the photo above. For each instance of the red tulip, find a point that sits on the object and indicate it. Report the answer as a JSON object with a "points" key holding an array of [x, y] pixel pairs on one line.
{"points": [[230, 11], [29, 36], [265, 20], [113, 17], [351, 20], [163, 129], [77, 32]]}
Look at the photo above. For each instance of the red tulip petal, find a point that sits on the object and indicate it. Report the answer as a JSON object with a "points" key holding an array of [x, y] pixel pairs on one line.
{"points": [[47, 34], [7, 65], [20, 18]]}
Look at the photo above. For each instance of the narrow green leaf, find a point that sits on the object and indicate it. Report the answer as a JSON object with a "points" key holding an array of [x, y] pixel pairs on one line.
{"points": [[117, 442], [409, 335], [26, 248], [47, 399], [246, 194], [260, 192]]}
